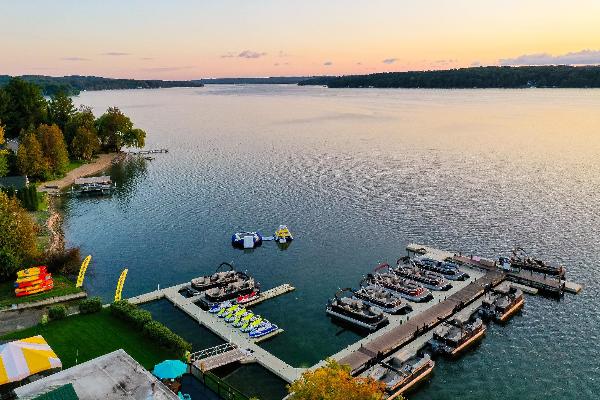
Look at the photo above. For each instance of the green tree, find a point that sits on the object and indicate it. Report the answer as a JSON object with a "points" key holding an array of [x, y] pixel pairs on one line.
{"points": [[18, 242], [334, 382], [82, 118], [85, 144], [25, 106], [60, 110], [115, 130], [54, 148], [30, 158]]}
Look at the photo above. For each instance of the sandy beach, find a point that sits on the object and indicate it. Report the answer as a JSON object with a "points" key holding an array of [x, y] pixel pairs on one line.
{"points": [[101, 163]]}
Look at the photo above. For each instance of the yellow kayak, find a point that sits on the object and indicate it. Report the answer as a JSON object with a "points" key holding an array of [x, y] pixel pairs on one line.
{"points": [[31, 272]]}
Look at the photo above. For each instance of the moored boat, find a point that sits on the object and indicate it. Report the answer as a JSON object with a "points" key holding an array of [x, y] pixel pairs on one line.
{"points": [[519, 259], [230, 291], [356, 312], [251, 324], [248, 298], [283, 234], [263, 329], [218, 279], [382, 298], [246, 240], [406, 288], [448, 270], [502, 304], [428, 279], [402, 372], [453, 337]]}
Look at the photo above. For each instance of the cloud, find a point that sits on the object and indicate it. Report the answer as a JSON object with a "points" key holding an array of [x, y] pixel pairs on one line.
{"points": [[116, 53], [146, 58], [359, 63], [583, 57], [448, 61], [327, 63], [282, 54], [244, 54], [476, 64], [74, 59], [389, 60], [251, 54]]}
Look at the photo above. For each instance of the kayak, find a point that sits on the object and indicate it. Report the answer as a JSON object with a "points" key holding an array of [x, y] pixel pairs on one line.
{"points": [[33, 280], [33, 271], [42, 287]]}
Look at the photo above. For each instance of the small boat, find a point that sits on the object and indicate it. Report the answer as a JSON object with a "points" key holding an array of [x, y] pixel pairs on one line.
{"points": [[219, 278], [356, 312], [231, 291], [34, 289], [263, 329], [238, 313], [252, 324], [388, 301], [246, 240], [243, 319], [448, 270], [283, 234], [502, 304], [226, 310], [402, 372], [247, 298], [521, 260], [455, 336], [32, 280], [215, 308], [406, 288], [428, 279]]}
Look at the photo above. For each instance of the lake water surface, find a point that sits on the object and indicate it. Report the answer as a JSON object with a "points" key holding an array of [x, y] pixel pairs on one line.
{"points": [[358, 174]]}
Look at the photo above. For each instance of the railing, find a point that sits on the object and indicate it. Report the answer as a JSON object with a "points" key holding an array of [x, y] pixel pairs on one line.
{"points": [[217, 385], [213, 351]]}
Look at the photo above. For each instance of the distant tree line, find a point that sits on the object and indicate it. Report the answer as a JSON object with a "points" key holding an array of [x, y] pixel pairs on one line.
{"points": [[556, 76], [72, 85], [272, 80], [50, 133]]}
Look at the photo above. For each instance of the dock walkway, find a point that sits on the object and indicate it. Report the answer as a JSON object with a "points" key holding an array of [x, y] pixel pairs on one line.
{"points": [[224, 330]]}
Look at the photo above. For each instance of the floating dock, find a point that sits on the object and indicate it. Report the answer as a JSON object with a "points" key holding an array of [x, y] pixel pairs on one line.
{"points": [[227, 332], [269, 294]]}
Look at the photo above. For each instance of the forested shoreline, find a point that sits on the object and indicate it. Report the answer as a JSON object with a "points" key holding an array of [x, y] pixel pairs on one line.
{"points": [[555, 76], [73, 84]]}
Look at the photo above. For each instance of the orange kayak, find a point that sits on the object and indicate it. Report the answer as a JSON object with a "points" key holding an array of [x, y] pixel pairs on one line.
{"points": [[42, 287], [32, 281]]}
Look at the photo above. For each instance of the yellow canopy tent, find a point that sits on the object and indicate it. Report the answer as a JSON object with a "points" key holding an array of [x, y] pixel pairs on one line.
{"points": [[25, 357]]}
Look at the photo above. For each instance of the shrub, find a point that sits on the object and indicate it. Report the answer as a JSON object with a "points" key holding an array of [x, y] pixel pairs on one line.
{"points": [[67, 261], [91, 305], [131, 313], [167, 338], [57, 312]]}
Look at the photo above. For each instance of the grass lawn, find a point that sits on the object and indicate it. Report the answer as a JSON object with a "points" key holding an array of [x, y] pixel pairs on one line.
{"points": [[74, 164], [93, 335], [62, 287]]}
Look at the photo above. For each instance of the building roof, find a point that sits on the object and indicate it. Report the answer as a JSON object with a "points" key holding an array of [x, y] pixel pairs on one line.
{"points": [[16, 182], [65, 392], [112, 376]]}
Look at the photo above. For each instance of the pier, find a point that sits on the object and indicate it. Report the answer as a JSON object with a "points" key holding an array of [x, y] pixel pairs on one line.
{"points": [[227, 332], [142, 152]]}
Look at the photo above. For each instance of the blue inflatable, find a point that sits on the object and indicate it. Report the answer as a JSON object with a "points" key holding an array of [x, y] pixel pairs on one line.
{"points": [[246, 240]]}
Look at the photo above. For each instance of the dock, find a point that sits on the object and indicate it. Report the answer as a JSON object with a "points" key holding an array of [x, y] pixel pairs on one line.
{"points": [[269, 294], [142, 152], [224, 330]]}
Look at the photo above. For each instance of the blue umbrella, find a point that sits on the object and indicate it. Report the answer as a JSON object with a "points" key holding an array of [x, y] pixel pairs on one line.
{"points": [[169, 369]]}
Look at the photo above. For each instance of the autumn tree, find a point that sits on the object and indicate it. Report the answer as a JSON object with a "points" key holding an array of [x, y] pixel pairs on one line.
{"points": [[334, 382], [85, 144], [115, 130], [3, 153], [60, 110], [82, 118], [54, 148], [30, 158], [18, 242], [25, 106]]}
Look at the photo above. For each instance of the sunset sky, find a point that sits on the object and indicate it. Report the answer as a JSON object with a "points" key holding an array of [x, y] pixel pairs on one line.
{"points": [[224, 38]]}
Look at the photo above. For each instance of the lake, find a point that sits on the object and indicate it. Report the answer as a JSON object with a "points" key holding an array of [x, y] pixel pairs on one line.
{"points": [[357, 174]]}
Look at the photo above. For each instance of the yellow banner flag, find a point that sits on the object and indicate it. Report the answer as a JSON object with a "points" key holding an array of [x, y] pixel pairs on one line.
{"points": [[84, 266], [120, 284]]}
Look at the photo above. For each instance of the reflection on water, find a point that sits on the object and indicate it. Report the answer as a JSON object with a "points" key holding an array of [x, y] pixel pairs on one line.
{"points": [[356, 175]]}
